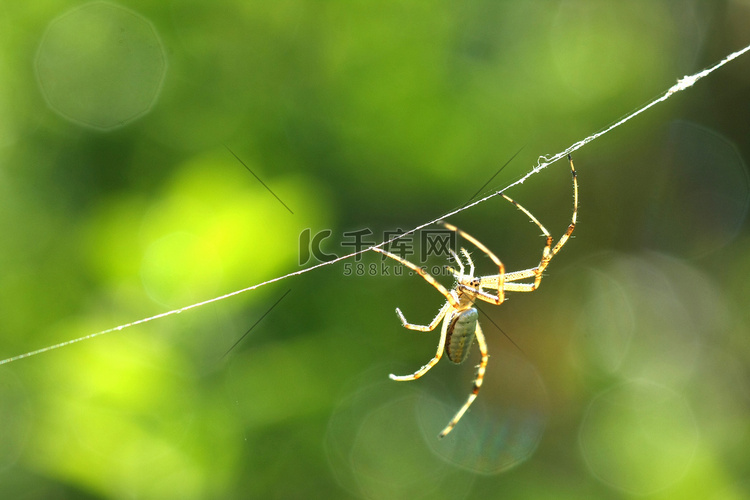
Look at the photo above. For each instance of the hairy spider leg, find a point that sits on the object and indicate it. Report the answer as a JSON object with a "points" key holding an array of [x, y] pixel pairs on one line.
{"points": [[477, 382], [452, 303], [481, 294], [435, 359], [467, 256], [495, 282], [449, 295], [461, 270]]}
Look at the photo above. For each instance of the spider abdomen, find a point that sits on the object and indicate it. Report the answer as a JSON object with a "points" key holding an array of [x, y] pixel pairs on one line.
{"points": [[460, 335]]}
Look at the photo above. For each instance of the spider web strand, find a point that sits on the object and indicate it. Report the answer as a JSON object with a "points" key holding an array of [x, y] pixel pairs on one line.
{"points": [[542, 163]]}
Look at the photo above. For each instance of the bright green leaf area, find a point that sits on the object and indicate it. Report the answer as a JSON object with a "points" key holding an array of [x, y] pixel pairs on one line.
{"points": [[121, 199]]}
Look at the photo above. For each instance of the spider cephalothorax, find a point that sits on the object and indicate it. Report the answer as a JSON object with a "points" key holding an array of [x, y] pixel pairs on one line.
{"points": [[459, 316]]}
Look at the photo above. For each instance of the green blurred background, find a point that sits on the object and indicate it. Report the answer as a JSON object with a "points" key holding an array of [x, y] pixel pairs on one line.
{"points": [[120, 200]]}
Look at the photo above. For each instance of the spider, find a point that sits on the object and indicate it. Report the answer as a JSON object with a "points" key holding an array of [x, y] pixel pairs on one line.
{"points": [[459, 316]]}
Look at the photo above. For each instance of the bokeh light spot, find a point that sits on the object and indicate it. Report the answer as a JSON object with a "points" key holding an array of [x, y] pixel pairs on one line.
{"points": [[101, 65], [638, 437], [606, 324], [376, 450], [504, 425], [699, 193], [645, 316]]}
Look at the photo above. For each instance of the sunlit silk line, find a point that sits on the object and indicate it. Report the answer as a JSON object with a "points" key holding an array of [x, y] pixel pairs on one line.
{"points": [[682, 84], [542, 163]]}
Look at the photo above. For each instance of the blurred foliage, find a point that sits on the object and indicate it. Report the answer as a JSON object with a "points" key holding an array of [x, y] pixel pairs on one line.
{"points": [[121, 200]]}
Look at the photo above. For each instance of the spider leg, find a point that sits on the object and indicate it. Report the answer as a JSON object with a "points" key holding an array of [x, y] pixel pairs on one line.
{"points": [[424, 328], [481, 294], [461, 268], [468, 259], [453, 301], [432, 362], [564, 238], [495, 282], [487, 297], [477, 382], [535, 272]]}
